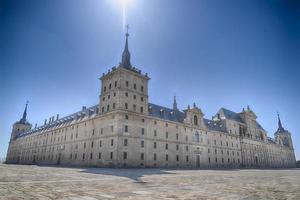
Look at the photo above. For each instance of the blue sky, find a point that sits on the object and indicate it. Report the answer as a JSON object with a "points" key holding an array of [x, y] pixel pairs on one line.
{"points": [[216, 53]]}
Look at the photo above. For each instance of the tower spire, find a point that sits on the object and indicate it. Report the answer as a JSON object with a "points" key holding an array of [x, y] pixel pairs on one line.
{"points": [[280, 128], [23, 120], [126, 54], [175, 103]]}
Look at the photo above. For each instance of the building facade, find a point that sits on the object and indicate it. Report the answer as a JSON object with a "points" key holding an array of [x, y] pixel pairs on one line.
{"points": [[125, 130]]}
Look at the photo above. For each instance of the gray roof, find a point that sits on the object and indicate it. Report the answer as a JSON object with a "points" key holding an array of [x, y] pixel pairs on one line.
{"points": [[166, 113], [215, 125], [75, 117], [228, 114]]}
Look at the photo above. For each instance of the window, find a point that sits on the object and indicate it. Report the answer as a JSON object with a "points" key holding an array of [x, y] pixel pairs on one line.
{"points": [[197, 137], [126, 106], [124, 155], [92, 144], [91, 155], [177, 136], [155, 133], [134, 96], [142, 143], [208, 150], [126, 129], [107, 108], [110, 86], [84, 145], [167, 146], [116, 83], [112, 142], [114, 105], [142, 98], [208, 159], [142, 156], [177, 147], [127, 83], [102, 109], [99, 155], [195, 120], [100, 143], [142, 89], [104, 89], [187, 158], [125, 142], [142, 109], [111, 155], [167, 157], [167, 134], [154, 145], [134, 86], [216, 151], [126, 117], [143, 131], [186, 148], [134, 107], [83, 156], [126, 94], [177, 158], [154, 156]]}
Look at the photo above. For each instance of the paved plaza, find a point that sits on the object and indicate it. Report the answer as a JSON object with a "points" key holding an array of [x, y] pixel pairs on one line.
{"points": [[36, 182]]}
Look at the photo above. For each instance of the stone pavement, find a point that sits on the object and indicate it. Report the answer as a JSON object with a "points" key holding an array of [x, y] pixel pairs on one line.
{"points": [[35, 182]]}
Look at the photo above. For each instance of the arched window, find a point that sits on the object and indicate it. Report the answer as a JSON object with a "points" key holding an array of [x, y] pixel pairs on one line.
{"points": [[195, 120]]}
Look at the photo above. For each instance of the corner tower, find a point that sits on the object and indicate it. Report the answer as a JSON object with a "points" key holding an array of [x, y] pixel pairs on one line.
{"points": [[20, 126], [282, 136], [124, 87]]}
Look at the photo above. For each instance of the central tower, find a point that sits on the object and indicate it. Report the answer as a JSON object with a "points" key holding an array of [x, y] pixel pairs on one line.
{"points": [[124, 87]]}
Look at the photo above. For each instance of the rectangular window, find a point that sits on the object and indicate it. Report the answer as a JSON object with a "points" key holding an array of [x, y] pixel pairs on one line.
{"points": [[134, 86], [125, 142], [126, 106], [154, 145], [167, 157], [112, 142], [124, 155], [187, 158], [134, 107], [142, 89], [142, 143], [127, 83], [177, 136], [91, 155], [186, 148], [143, 131], [177, 158], [167, 134], [100, 143], [142, 98], [142, 109], [92, 144], [83, 156], [155, 133], [167, 146], [99, 155], [116, 83], [126, 129], [154, 156], [142, 156], [114, 105], [177, 147]]}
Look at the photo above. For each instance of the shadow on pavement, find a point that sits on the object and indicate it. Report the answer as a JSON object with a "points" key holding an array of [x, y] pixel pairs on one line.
{"points": [[134, 174]]}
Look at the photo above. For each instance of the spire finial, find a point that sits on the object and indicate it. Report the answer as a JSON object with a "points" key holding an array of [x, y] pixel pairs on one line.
{"points": [[280, 128], [126, 54], [175, 103], [23, 120]]}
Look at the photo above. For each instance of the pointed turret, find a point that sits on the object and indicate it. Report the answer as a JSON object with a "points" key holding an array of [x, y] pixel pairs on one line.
{"points": [[23, 119], [126, 54], [175, 103], [280, 127]]}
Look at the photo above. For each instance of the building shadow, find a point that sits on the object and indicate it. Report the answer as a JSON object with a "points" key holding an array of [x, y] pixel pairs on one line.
{"points": [[134, 174]]}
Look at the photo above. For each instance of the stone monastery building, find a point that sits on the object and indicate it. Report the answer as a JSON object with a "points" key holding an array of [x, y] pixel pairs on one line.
{"points": [[125, 130]]}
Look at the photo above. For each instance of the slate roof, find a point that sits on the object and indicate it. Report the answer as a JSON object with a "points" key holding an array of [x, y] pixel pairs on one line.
{"points": [[215, 125], [70, 119], [166, 113], [228, 114]]}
